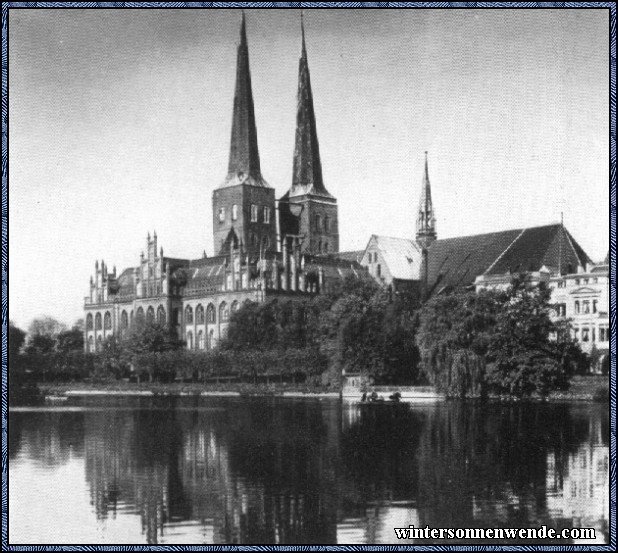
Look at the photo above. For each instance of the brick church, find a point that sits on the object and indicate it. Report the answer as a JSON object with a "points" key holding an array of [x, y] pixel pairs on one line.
{"points": [[255, 258], [289, 248]]}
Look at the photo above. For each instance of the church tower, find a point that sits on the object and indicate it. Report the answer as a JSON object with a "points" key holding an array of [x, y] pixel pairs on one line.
{"points": [[426, 217], [244, 204], [308, 212]]}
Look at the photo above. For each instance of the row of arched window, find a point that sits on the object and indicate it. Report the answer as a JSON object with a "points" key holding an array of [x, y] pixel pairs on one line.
{"points": [[99, 322], [209, 315], [203, 341]]}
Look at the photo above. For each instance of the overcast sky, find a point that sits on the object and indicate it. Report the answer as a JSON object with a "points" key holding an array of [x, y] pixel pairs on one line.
{"points": [[120, 124]]}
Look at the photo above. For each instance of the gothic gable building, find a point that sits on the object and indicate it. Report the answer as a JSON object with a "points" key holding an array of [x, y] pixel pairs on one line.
{"points": [[253, 259]]}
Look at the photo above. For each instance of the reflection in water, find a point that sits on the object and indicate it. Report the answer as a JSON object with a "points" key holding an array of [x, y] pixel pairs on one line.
{"points": [[191, 470]]}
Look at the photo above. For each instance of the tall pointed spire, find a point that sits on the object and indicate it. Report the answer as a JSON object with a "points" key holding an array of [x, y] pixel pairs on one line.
{"points": [[426, 220], [244, 162], [307, 172]]}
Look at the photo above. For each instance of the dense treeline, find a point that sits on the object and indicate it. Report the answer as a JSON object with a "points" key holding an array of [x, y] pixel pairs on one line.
{"points": [[500, 342], [359, 327], [467, 344]]}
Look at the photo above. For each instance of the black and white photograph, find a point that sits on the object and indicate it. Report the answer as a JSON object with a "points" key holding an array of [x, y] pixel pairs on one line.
{"points": [[282, 274]]}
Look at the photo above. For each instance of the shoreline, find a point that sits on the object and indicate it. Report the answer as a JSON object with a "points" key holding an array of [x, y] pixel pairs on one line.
{"points": [[583, 390]]}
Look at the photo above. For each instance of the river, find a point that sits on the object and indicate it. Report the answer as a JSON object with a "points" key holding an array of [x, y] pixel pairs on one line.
{"points": [[190, 470]]}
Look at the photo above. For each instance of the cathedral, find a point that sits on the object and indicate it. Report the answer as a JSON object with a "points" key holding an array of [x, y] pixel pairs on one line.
{"points": [[257, 253], [290, 248]]}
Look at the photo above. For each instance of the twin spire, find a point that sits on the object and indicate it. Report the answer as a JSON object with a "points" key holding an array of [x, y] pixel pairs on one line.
{"points": [[244, 161], [307, 172]]}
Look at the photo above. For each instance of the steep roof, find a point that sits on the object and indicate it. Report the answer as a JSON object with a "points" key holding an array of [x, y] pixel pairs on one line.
{"points": [[204, 274], [126, 283], [356, 255], [307, 170], [244, 161], [402, 256], [456, 262]]}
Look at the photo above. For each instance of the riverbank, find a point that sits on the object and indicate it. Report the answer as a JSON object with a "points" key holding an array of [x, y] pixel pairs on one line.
{"points": [[583, 388], [121, 387]]}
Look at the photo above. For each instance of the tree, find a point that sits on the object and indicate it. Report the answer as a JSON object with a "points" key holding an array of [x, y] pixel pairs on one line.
{"points": [[151, 337], [45, 326], [42, 334], [529, 353], [40, 344], [453, 338], [16, 339], [352, 332], [70, 340]]}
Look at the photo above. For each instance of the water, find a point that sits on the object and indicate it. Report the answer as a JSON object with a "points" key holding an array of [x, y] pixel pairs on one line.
{"points": [[265, 471]]}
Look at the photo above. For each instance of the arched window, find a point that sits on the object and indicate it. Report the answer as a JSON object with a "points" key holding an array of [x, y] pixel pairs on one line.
{"points": [[161, 317], [267, 215], [224, 312], [221, 215], [107, 320], [139, 315], [189, 315], [189, 340], [99, 344], [235, 306], [89, 321], [124, 320], [98, 322], [211, 339], [234, 212], [200, 340], [318, 223], [265, 242], [211, 313], [199, 314], [327, 224], [577, 307], [91, 344], [325, 247], [150, 314]]}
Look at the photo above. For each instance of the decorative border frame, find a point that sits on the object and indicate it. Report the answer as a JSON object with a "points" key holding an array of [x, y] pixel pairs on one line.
{"points": [[7, 6]]}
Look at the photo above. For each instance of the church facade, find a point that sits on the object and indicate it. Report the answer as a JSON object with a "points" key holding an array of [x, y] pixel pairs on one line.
{"points": [[255, 258], [290, 248]]}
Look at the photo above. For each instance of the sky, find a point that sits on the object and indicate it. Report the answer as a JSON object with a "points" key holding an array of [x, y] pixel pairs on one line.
{"points": [[120, 121]]}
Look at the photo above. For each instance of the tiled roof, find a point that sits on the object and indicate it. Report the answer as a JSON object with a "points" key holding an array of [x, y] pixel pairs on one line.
{"points": [[205, 273], [351, 255], [126, 282], [402, 256], [455, 262]]}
